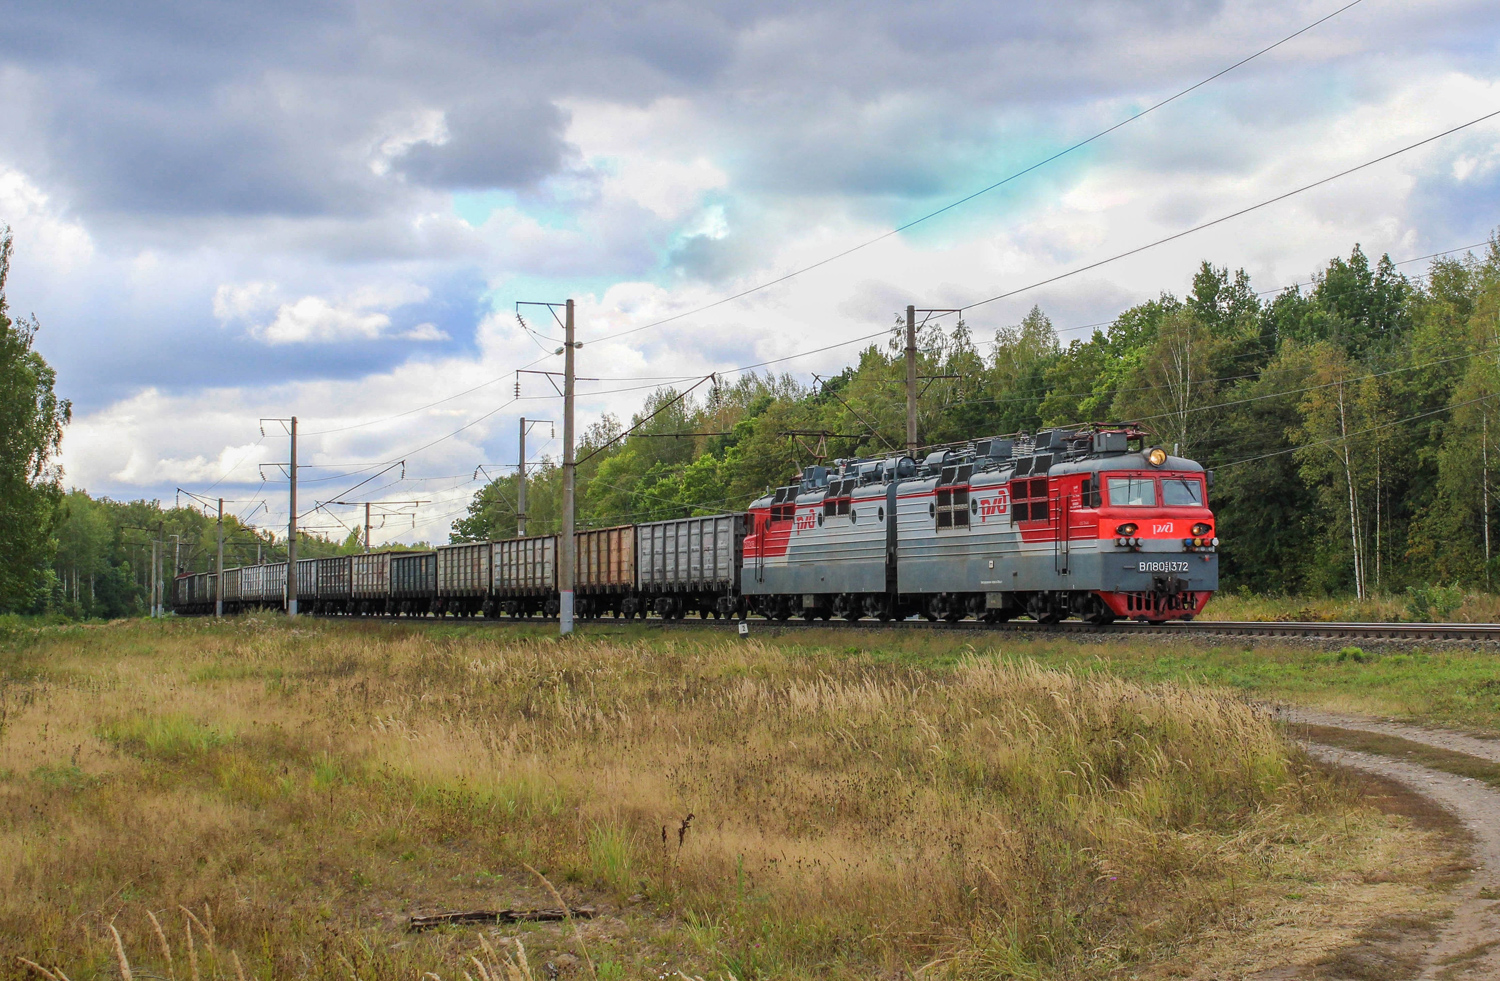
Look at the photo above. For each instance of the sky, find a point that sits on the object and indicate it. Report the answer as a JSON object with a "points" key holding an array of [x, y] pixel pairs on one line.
{"points": [[229, 212]]}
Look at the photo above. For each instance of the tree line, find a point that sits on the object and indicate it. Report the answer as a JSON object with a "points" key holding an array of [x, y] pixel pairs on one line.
{"points": [[1347, 421]]}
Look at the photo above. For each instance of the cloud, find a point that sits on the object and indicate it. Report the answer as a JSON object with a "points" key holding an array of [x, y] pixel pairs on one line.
{"points": [[360, 316]]}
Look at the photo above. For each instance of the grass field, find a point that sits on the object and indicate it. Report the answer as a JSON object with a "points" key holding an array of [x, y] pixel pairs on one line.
{"points": [[261, 799], [1425, 605]]}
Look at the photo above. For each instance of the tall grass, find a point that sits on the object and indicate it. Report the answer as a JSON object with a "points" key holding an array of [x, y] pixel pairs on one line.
{"points": [[744, 808], [1419, 604]]}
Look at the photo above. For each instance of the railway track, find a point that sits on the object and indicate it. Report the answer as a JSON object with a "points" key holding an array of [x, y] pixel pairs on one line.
{"points": [[1469, 633]]}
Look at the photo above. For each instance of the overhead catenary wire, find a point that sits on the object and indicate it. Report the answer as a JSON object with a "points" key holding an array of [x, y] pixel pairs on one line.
{"points": [[1229, 217], [982, 191]]}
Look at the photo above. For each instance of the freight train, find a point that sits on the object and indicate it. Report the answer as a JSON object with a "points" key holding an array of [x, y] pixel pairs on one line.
{"points": [[1093, 523]]}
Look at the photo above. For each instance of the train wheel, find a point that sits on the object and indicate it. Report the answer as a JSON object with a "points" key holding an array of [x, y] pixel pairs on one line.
{"points": [[1042, 609]]}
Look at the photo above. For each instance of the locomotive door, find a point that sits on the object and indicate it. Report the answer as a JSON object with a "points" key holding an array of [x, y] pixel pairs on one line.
{"points": [[1062, 529], [762, 524]]}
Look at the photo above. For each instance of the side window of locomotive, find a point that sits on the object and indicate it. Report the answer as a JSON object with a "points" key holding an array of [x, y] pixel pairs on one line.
{"points": [[952, 497], [1029, 500], [1181, 492], [1132, 492]]}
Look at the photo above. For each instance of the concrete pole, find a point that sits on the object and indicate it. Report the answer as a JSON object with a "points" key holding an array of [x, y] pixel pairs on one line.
{"points": [[567, 546], [911, 381], [367, 526], [521, 486], [291, 532], [219, 578], [155, 571]]}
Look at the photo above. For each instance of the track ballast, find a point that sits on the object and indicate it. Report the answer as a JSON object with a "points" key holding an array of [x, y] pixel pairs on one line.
{"points": [[1482, 633]]}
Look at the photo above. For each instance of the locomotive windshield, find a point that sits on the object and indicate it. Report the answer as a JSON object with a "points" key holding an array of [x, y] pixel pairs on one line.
{"points": [[1181, 492], [1132, 492]]}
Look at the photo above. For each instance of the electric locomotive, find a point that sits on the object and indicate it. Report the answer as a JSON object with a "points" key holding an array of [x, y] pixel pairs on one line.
{"points": [[1089, 522]]}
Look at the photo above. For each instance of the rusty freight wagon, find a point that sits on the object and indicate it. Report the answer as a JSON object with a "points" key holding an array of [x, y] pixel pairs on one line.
{"points": [[605, 570], [526, 576]]}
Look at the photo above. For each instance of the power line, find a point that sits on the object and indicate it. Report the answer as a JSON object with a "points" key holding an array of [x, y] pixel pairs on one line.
{"points": [[982, 191], [1362, 432], [1235, 214]]}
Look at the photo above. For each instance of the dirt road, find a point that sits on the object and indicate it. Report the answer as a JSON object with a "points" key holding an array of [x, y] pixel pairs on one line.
{"points": [[1468, 945]]}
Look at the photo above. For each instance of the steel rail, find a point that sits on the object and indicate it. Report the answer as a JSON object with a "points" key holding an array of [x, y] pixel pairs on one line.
{"points": [[1488, 633]]}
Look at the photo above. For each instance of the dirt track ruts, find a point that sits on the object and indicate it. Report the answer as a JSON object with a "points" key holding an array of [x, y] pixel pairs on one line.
{"points": [[1468, 946]]}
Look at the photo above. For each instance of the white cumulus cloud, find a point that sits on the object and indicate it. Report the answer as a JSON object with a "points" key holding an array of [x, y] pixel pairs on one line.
{"points": [[360, 316]]}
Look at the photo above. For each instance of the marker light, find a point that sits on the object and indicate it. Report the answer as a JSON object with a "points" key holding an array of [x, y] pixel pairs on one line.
{"points": [[1128, 528], [1157, 456]]}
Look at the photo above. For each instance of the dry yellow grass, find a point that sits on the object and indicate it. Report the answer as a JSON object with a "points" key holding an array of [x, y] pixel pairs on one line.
{"points": [[288, 795]]}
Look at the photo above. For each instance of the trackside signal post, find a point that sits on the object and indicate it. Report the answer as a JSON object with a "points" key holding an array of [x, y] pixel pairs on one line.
{"points": [[569, 546]]}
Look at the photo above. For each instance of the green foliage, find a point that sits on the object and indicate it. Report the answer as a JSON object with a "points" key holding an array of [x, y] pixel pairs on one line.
{"points": [[31, 425], [1429, 604]]}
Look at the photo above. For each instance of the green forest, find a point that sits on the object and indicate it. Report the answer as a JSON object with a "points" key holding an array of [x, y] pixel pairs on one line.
{"points": [[1347, 422]]}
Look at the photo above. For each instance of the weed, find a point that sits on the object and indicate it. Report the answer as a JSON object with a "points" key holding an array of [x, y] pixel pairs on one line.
{"points": [[1427, 604], [168, 737]]}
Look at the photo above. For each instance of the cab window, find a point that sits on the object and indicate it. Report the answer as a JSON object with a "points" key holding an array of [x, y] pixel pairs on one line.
{"points": [[1132, 492], [1181, 492]]}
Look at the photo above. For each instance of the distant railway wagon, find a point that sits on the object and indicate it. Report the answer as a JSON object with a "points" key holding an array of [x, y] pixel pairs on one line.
{"points": [[194, 593], [464, 579], [331, 585], [525, 576], [1089, 522], [370, 588], [413, 583], [690, 565]]}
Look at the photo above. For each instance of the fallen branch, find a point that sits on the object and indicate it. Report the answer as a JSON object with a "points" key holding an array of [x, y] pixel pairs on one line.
{"points": [[431, 920]]}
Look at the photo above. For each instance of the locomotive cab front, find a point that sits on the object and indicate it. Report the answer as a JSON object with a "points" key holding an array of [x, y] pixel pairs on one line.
{"points": [[1154, 520]]}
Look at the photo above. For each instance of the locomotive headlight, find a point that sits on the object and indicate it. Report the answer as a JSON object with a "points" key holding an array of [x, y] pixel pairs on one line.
{"points": [[1200, 529], [1157, 456], [1127, 529]]}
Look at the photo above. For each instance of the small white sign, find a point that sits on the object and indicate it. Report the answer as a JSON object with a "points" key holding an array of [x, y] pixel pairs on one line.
{"points": [[744, 629]]}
